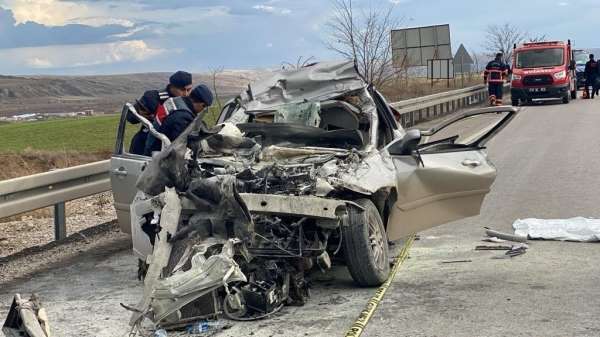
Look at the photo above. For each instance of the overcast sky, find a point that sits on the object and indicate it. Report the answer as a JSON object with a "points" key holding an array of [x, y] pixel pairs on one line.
{"points": [[106, 36]]}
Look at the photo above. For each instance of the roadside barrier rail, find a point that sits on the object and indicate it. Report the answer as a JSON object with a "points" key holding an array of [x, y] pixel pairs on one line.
{"points": [[53, 188]]}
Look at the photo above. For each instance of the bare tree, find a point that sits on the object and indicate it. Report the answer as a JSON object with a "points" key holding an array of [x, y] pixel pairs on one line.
{"points": [[364, 38], [537, 38], [476, 62], [502, 38], [300, 63], [476, 69], [214, 73]]}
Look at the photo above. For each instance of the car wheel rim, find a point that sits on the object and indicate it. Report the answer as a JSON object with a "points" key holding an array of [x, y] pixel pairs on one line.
{"points": [[377, 244]]}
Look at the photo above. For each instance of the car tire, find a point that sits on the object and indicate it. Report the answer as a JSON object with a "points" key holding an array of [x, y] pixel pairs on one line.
{"points": [[515, 102], [566, 99], [574, 94], [365, 245]]}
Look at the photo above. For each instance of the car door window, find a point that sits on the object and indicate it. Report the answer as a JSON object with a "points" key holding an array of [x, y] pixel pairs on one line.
{"points": [[387, 122], [468, 131]]}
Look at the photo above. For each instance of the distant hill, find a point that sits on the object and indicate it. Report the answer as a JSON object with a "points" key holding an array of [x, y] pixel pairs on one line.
{"points": [[103, 94]]}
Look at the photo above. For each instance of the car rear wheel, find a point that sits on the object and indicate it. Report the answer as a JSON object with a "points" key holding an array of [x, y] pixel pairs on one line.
{"points": [[365, 245]]}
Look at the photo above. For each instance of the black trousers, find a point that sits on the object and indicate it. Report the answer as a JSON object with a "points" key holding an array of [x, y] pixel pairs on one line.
{"points": [[495, 89], [591, 82]]}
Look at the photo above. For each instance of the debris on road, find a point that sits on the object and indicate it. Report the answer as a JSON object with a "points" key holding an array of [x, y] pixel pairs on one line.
{"points": [[493, 239], [578, 229], [482, 247], [505, 236], [456, 261], [27, 318], [515, 250], [204, 327]]}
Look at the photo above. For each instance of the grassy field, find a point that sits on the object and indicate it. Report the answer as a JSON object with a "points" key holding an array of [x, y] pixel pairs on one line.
{"points": [[86, 134]]}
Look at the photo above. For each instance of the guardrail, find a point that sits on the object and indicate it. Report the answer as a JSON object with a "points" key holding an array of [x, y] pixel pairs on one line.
{"points": [[420, 109], [54, 188]]}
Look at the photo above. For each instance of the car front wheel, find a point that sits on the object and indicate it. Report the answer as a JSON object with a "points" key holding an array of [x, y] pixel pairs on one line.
{"points": [[365, 245]]}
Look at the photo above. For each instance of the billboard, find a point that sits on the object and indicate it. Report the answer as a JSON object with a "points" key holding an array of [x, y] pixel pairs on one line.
{"points": [[414, 46]]}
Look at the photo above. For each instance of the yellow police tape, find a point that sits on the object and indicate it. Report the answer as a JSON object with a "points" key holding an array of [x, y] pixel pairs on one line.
{"points": [[363, 318]]}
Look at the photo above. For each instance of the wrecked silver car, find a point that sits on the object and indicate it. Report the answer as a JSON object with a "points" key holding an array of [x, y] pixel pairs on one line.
{"points": [[303, 169]]}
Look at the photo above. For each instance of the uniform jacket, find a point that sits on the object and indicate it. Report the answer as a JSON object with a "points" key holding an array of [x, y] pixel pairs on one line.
{"points": [[591, 69], [179, 114], [153, 100], [495, 72]]}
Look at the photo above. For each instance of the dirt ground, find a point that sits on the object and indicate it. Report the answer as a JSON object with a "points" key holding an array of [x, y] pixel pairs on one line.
{"points": [[83, 282], [37, 228]]}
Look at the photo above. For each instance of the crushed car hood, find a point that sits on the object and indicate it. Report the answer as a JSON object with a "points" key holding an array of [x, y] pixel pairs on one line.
{"points": [[314, 84]]}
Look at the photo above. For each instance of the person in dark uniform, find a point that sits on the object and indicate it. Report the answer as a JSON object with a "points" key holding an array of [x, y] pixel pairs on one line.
{"points": [[591, 76], [179, 114], [150, 106], [494, 76]]}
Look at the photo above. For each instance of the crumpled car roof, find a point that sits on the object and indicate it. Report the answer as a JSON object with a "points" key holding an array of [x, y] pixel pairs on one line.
{"points": [[317, 82]]}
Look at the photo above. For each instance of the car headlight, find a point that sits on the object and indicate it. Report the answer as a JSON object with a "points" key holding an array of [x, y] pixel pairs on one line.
{"points": [[516, 77], [560, 75]]}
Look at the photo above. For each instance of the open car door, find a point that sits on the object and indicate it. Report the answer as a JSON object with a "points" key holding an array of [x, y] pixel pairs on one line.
{"points": [[125, 168], [443, 174]]}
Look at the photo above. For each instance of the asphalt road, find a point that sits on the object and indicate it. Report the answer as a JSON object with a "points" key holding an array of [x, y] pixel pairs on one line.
{"points": [[548, 163], [547, 160]]}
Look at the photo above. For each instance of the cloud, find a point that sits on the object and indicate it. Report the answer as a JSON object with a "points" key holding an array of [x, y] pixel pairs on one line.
{"points": [[73, 56], [272, 9], [47, 12], [31, 34], [563, 4]]}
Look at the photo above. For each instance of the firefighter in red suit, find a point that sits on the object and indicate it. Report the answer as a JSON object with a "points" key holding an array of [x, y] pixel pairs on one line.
{"points": [[496, 73]]}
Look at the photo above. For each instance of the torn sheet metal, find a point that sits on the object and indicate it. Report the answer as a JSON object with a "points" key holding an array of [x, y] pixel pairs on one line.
{"points": [[27, 318], [205, 275], [577, 229], [162, 251], [313, 83]]}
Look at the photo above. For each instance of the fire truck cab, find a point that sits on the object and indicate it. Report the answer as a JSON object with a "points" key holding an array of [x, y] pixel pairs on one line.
{"points": [[543, 71]]}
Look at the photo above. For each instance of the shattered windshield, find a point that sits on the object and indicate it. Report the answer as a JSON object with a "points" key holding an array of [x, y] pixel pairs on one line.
{"points": [[339, 122], [322, 105], [537, 58]]}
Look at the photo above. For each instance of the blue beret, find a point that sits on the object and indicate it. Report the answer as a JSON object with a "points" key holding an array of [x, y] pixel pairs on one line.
{"points": [[180, 79], [201, 93]]}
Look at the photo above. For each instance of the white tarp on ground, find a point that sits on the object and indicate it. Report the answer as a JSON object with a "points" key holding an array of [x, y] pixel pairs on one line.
{"points": [[574, 229]]}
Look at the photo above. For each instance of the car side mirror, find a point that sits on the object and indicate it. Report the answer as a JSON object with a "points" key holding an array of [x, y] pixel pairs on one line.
{"points": [[407, 144]]}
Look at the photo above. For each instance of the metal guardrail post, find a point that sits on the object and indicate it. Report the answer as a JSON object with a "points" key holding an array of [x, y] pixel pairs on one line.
{"points": [[60, 221]]}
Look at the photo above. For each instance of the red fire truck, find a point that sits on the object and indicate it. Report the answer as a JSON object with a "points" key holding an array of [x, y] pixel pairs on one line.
{"points": [[543, 70]]}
